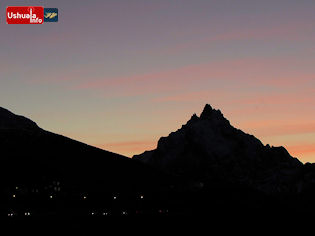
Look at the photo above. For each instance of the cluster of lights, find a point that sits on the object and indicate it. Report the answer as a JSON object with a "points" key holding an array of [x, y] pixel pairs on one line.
{"points": [[163, 211], [104, 213], [13, 214], [56, 187], [93, 213], [114, 197], [124, 213]]}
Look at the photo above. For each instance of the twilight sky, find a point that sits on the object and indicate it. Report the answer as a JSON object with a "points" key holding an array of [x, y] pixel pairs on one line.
{"points": [[119, 74]]}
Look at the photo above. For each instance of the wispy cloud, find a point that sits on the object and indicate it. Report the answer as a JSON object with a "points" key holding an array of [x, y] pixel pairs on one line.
{"points": [[276, 72], [296, 32], [302, 150], [279, 128]]}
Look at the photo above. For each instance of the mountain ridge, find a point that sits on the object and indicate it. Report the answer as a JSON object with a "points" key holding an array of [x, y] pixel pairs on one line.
{"points": [[209, 147], [33, 160], [9, 120], [205, 166]]}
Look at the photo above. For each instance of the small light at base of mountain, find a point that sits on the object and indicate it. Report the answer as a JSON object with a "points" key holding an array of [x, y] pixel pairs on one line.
{"points": [[84, 197], [16, 188], [50, 197], [14, 196], [163, 211], [114, 197], [141, 197]]}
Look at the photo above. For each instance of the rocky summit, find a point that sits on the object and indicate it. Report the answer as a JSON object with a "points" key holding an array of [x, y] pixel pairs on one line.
{"points": [[209, 150]]}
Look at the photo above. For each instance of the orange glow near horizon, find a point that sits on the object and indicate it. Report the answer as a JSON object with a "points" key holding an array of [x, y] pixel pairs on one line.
{"points": [[304, 153], [297, 138], [129, 148], [134, 71]]}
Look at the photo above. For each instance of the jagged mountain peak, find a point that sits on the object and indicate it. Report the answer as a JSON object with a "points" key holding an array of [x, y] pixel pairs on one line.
{"points": [[207, 111], [210, 114], [9, 120], [208, 147]]}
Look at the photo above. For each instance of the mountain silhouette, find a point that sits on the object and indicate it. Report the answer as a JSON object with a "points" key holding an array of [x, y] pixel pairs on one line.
{"points": [[205, 166], [38, 166], [214, 156], [8, 120]]}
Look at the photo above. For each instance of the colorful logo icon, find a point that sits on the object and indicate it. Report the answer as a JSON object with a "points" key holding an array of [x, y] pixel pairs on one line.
{"points": [[51, 14], [25, 15]]}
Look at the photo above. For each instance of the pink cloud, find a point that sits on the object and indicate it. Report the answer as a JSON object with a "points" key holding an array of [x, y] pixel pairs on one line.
{"points": [[277, 99], [250, 71], [190, 96], [301, 149], [275, 128]]}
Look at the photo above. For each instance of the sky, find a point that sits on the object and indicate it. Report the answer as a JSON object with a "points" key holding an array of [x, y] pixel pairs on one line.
{"points": [[119, 74]]}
